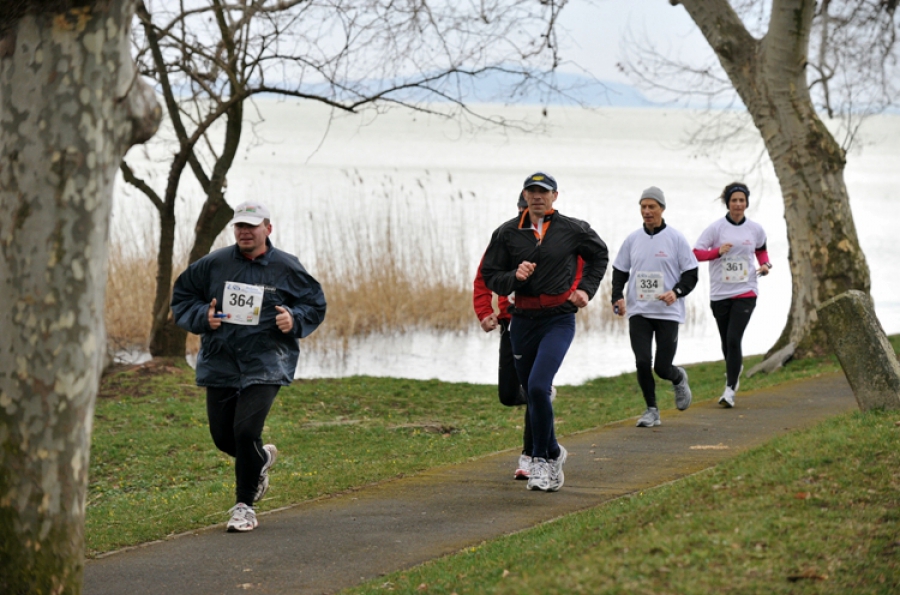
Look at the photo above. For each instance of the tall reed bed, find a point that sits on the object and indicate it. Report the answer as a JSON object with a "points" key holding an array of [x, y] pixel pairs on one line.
{"points": [[402, 262]]}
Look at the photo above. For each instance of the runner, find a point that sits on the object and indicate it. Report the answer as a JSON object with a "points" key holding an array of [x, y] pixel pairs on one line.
{"points": [[509, 388], [250, 302], [536, 255], [729, 245], [659, 268]]}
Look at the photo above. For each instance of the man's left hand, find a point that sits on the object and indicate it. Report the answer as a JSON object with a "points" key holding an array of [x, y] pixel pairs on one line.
{"points": [[668, 297], [579, 298], [284, 319]]}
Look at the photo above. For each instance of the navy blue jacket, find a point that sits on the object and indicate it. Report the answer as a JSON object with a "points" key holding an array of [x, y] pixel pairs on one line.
{"points": [[237, 355]]}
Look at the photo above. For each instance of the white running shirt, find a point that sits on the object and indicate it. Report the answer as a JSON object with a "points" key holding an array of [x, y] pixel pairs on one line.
{"points": [[654, 264], [734, 273]]}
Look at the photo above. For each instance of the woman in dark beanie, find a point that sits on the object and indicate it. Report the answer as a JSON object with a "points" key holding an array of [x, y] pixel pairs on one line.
{"points": [[729, 244]]}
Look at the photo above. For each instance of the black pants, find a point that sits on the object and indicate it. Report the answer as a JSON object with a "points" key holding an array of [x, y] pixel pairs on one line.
{"points": [[236, 420], [509, 389], [732, 317], [642, 331]]}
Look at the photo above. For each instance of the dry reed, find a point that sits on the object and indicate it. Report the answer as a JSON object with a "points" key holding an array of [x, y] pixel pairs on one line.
{"points": [[388, 272]]}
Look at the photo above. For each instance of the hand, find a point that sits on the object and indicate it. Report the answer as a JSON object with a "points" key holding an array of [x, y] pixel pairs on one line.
{"points": [[668, 297], [763, 270], [489, 323], [214, 322], [725, 249], [284, 319], [579, 298], [525, 270], [619, 308]]}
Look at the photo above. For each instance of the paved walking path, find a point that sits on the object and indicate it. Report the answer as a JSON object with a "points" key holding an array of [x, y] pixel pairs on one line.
{"points": [[333, 543]]}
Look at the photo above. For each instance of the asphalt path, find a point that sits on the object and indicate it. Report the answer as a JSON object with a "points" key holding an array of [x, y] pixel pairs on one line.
{"points": [[325, 545]]}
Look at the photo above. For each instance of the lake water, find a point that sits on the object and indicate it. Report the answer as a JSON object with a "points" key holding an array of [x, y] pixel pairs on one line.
{"points": [[450, 185]]}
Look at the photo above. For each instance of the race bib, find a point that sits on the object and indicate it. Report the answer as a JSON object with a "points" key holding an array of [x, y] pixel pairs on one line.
{"points": [[735, 269], [649, 285], [243, 303]]}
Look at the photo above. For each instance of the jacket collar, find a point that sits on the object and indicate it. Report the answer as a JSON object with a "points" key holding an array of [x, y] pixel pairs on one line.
{"points": [[653, 232]]}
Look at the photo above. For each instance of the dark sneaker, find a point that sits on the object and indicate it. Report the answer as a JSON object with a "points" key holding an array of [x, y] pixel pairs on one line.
{"points": [[557, 477], [683, 392], [263, 485], [242, 519], [649, 419]]}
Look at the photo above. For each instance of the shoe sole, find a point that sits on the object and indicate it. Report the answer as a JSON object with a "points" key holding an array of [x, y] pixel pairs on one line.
{"points": [[650, 425], [725, 404], [236, 529], [264, 473], [521, 474]]}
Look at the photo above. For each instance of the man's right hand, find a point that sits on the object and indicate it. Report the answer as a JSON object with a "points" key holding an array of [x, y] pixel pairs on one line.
{"points": [[619, 308], [214, 322], [525, 270], [489, 323]]}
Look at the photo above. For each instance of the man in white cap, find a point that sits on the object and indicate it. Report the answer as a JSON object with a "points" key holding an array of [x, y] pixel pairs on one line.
{"points": [[250, 303], [660, 269]]}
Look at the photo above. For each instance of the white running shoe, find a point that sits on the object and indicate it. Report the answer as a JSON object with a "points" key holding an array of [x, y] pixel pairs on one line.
{"points": [[242, 518], [539, 476], [524, 468], [263, 486], [649, 419], [552, 393], [727, 398], [557, 477]]}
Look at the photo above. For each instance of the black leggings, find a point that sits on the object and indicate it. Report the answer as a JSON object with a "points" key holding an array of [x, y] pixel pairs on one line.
{"points": [[732, 317], [642, 331], [236, 420], [509, 389]]}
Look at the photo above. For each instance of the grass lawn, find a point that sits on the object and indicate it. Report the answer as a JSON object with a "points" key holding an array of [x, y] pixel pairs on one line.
{"points": [[154, 472]]}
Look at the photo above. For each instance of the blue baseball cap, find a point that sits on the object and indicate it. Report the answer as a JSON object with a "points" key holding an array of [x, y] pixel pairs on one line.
{"points": [[540, 179]]}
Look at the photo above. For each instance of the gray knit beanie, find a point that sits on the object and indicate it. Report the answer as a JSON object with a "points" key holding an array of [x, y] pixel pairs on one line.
{"points": [[656, 194]]}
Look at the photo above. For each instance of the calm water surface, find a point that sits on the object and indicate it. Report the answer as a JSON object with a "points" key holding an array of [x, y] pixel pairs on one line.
{"points": [[447, 187]]}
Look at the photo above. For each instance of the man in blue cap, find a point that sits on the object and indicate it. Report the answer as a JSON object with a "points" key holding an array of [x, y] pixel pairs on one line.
{"points": [[536, 256]]}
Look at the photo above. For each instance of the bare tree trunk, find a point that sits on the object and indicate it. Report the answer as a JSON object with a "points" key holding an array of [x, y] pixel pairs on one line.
{"points": [[770, 77], [70, 106]]}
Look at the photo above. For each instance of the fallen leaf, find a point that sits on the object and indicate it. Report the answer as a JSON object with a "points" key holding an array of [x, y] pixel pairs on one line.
{"points": [[505, 573], [802, 495], [809, 574], [718, 446], [422, 587]]}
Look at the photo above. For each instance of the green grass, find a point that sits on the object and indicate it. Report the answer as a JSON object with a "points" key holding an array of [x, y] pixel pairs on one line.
{"points": [[155, 472], [817, 511]]}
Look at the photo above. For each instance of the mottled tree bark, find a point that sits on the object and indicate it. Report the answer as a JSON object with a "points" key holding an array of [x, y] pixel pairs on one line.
{"points": [[70, 106], [770, 76]]}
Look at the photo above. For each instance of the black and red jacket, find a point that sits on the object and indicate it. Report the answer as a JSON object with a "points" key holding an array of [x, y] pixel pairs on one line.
{"points": [[556, 260]]}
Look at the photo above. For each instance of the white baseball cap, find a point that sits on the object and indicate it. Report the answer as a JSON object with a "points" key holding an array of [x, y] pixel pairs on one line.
{"points": [[250, 212]]}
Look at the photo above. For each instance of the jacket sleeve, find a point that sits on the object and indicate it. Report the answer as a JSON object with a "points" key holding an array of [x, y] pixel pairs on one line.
{"points": [[595, 255], [190, 299], [306, 301], [481, 296], [497, 269]]}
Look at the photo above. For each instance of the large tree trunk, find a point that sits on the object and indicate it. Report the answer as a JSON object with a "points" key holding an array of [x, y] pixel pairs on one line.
{"points": [[770, 77], [70, 106]]}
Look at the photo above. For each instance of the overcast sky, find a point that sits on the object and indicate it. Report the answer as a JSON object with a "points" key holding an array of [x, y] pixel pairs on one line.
{"points": [[596, 32]]}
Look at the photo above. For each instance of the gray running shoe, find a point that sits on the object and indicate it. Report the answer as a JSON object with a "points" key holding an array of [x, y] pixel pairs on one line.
{"points": [[242, 519], [727, 398], [650, 418], [539, 477], [557, 477], [683, 392], [263, 485]]}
